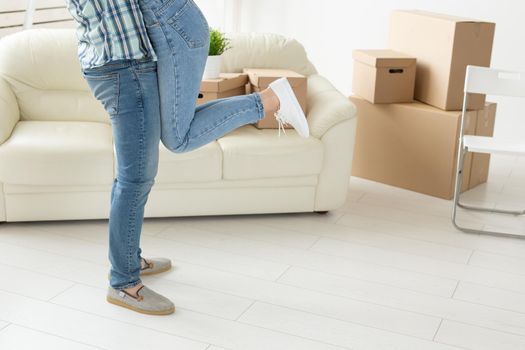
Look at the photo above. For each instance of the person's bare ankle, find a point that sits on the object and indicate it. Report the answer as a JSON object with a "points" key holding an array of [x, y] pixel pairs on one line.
{"points": [[269, 100], [133, 290]]}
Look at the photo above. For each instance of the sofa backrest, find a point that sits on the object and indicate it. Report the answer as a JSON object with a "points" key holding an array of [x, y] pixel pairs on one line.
{"points": [[41, 67], [267, 50]]}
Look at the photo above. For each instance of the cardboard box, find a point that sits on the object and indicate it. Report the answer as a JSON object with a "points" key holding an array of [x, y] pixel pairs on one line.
{"points": [[228, 85], [414, 146], [261, 78], [384, 76], [444, 46]]}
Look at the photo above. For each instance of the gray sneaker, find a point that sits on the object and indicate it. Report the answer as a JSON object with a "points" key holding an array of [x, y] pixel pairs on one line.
{"points": [[147, 301], [153, 266]]}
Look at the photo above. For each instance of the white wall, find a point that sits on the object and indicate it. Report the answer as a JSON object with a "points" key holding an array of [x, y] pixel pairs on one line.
{"points": [[331, 29], [214, 12]]}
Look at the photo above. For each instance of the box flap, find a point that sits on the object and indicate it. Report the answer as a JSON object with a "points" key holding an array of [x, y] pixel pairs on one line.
{"points": [[383, 58], [261, 78], [227, 81], [450, 18]]}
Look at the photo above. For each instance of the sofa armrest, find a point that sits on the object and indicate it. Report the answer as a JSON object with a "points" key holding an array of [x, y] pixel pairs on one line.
{"points": [[9, 112], [326, 106]]}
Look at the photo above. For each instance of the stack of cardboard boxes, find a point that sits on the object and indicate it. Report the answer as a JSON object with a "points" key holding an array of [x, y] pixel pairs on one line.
{"points": [[413, 144], [253, 80]]}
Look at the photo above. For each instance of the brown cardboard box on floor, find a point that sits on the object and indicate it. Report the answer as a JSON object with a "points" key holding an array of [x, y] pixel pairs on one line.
{"points": [[384, 76], [444, 46], [414, 146], [228, 85], [261, 78]]}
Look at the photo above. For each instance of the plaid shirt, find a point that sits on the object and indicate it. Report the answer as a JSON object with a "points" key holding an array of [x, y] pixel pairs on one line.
{"points": [[109, 30]]}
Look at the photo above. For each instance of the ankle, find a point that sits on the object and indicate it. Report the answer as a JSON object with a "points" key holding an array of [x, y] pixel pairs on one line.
{"points": [[133, 290], [270, 100]]}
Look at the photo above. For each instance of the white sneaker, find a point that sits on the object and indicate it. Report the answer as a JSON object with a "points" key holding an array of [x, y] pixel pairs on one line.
{"points": [[290, 111]]}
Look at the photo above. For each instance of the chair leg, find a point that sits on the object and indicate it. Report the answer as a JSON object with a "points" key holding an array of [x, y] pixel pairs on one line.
{"points": [[487, 232], [489, 210], [457, 192]]}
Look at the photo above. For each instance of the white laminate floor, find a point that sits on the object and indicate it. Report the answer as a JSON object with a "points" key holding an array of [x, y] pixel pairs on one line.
{"points": [[385, 272]]}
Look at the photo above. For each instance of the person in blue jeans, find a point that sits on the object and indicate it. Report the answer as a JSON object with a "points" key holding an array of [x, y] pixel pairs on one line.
{"points": [[144, 61]]}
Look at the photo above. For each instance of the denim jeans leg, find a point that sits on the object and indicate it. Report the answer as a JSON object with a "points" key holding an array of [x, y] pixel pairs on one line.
{"points": [[131, 98], [180, 37]]}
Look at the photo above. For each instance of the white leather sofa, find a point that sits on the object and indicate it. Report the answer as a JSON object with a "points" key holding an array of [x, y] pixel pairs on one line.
{"points": [[57, 158]]}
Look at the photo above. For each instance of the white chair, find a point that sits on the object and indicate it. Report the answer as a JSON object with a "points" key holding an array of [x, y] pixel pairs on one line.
{"points": [[497, 82]]}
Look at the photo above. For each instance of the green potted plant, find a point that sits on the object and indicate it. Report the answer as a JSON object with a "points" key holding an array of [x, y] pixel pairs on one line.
{"points": [[219, 43]]}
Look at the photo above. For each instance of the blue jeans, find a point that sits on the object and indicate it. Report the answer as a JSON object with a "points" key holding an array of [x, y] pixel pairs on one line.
{"points": [[180, 37], [148, 102]]}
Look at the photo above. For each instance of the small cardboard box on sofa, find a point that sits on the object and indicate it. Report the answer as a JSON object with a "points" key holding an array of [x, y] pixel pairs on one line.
{"points": [[228, 85]]}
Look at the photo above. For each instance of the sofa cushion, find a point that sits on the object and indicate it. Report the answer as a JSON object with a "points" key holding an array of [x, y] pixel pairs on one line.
{"points": [[250, 153], [200, 165], [58, 153]]}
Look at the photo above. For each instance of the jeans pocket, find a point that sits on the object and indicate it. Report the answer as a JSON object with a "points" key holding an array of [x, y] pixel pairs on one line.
{"points": [[191, 25], [105, 88]]}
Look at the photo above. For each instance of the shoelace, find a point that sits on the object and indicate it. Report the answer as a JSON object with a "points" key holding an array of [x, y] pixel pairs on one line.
{"points": [[282, 122]]}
